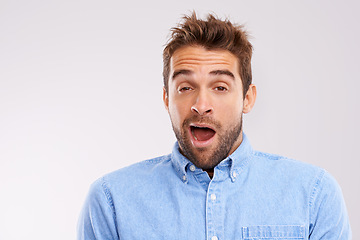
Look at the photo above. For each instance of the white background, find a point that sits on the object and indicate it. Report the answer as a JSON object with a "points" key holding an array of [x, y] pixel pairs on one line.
{"points": [[81, 95]]}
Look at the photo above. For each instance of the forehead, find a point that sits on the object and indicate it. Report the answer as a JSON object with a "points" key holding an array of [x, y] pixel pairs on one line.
{"points": [[195, 56]]}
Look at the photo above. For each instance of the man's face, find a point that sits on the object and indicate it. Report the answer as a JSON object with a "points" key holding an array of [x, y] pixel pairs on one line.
{"points": [[205, 103]]}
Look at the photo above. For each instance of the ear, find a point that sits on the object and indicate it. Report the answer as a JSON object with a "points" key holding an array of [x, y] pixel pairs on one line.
{"points": [[166, 99], [249, 99]]}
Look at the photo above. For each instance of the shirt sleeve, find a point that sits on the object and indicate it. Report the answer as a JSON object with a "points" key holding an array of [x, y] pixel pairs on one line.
{"points": [[328, 216], [97, 220]]}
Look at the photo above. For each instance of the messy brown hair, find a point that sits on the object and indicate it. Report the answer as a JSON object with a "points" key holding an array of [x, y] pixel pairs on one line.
{"points": [[212, 34]]}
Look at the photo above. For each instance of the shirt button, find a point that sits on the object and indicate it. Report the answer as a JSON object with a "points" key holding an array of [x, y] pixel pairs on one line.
{"points": [[234, 174], [184, 178], [214, 238], [213, 197], [192, 168]]}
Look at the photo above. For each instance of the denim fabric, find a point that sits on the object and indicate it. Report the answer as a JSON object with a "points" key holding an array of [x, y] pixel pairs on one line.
{"points": [[252, 195]]}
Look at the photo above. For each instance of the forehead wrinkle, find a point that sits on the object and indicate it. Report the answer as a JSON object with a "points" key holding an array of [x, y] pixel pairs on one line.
{"points": [[191, 65], [193, 59], [201, 54]]}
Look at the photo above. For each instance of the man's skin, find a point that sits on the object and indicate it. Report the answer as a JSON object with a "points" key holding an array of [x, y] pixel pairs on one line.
{"points": [[205, 103]]}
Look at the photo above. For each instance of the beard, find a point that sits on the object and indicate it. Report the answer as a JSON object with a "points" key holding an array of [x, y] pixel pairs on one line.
{"points": [[207, 158]]}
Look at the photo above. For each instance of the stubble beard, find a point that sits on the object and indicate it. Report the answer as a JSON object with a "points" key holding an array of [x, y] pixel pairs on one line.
{"points": [[205, 159]]}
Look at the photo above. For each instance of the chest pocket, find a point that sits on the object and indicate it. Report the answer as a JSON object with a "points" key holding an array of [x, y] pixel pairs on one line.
{"points": [[274, 232]]}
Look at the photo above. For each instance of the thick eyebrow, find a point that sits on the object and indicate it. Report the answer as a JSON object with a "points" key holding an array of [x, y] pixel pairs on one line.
{"points": [[215, 72], [223, 72], [181, 72]]}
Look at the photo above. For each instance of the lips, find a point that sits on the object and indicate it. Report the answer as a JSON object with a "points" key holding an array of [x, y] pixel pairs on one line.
{"points": [[201, 135]]}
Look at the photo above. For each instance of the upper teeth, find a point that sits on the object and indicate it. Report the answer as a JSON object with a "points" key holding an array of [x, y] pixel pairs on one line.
{"points": [[194, 134]]}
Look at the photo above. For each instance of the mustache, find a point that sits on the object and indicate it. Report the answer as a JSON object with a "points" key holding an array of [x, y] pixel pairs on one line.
{"points": [[203, 120]]}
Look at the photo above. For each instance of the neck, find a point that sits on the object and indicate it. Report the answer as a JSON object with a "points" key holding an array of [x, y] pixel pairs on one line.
{"points": [[210, 172]]}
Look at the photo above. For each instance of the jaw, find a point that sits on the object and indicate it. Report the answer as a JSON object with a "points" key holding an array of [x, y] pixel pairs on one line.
{"points": [[203, 151], [210, 152]]}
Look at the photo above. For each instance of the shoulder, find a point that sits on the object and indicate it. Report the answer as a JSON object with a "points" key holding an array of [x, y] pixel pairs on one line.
{"points": [[141, 167], [289, 172], [285, 165], [136, 173]]}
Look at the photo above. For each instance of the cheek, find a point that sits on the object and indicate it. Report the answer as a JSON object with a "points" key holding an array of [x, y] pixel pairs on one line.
{"points": [[230, 109], [176, 112]]}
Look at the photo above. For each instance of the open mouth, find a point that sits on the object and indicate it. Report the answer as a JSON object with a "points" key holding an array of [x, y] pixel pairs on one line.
{"points": [[202, 133]]}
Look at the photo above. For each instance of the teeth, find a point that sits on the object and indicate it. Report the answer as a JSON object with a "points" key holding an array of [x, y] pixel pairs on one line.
{"points": [[192, 132]]}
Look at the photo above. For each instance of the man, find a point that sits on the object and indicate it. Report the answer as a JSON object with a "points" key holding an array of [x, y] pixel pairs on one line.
{"points": [[213, 185]]}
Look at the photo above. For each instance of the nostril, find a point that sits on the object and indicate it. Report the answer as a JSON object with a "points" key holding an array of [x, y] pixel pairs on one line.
{"points": [[194, 109], [201, 111]]}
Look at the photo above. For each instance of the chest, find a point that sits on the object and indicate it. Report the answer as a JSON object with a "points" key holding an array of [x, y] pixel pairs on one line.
{"points": [[223, 210]]}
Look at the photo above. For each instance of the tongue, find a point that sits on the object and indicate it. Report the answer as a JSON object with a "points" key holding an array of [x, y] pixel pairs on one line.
{"points": [[202, 134]]}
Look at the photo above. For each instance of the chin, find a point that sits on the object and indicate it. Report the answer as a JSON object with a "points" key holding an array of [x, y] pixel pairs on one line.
{"points": [[206, 161]]}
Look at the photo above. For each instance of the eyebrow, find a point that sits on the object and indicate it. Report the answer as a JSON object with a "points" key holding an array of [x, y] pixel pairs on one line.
{"points": [[223, 72], [215, 72], [181, 72]]}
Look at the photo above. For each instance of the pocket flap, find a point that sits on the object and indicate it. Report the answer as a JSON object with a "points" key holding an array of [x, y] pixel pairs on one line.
{"points": [[275, 231]]}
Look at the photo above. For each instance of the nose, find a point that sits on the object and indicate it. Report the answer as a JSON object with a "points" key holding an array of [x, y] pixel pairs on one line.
{"points": [[202, 105]]}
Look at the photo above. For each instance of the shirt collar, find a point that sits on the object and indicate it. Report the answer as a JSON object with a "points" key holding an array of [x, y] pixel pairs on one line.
{"points": [[236, 162]]}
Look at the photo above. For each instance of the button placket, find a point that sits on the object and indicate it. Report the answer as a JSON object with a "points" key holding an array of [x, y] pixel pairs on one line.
{"points": [[214, 216]]}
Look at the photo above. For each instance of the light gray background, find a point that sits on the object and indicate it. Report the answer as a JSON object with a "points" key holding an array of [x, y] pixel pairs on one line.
{"points": [[81, 95]]}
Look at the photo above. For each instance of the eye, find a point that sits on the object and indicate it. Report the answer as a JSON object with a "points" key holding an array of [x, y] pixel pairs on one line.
{"points": [[184, 89], [221, 89]]}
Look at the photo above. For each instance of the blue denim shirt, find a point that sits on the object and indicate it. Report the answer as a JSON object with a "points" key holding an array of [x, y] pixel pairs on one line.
{"points": [[252, 195]]}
